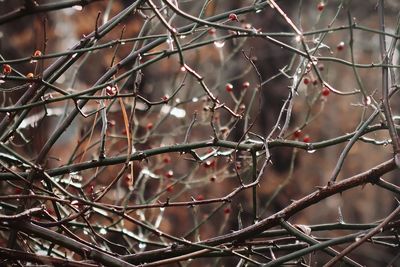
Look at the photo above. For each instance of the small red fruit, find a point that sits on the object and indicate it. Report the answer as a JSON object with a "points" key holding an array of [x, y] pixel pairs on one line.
{"points": [[149, 126], [238, 165], [166, 159], [306, 80], [340, 46], [297, 134], [128, 178], [170, 188], [306, 139], [233, 17], [17, 191], [7, 69], [111, 90], [164, 98], [229, 87], [111, 123], [37, 53], [245, 85], [169, 174], [320, 6], [200, 197], [325, 91], [227, 210], [209, 164], [90, 189]]}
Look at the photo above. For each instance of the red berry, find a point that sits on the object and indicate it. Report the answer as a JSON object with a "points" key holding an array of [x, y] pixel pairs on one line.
{"points": [[37, 53], [128, 178], [90, 189], [227, 210], [199, 197], [7, 69], [209, 163], [170, 188], [306, 80], [320, 6], [246, 85], [166, 159], [306, 139], [212, 31], [17, 191], [169, 174], [111, 90], [238, 165], [229, 87], [297, 134], [149, 126], [340, 46], [164, 98], [325, 91], [233, 17], [111, 123]]}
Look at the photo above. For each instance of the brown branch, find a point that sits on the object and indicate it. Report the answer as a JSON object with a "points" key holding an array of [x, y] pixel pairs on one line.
{"points": [[62, 240], [11, 254], [35, 9], [370, 176], [360, 241]]}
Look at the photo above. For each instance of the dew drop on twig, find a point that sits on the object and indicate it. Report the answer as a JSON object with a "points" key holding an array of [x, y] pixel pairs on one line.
{"points": [[219, 44], [77, 7]]}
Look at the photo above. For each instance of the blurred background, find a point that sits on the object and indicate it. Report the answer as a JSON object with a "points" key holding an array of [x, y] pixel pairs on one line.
{"points": [[292, 173]]}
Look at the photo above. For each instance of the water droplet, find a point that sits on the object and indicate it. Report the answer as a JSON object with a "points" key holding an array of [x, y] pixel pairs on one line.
{"points": [[75, 176], [219, 44], [77, 7], [182, 36], [258, 10], [142, 245], [162, 209], [74, 55], [310, 151], [385, 143], [2, 81], [358, 238], [195, 99], [33, 61], [367, 100], [122, 43], [85, 232], [103, 231]]}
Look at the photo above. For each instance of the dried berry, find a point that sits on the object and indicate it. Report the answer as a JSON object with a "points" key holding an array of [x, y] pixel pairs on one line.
{"points": [[229, 87], [233, 17], [7, 69]]}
